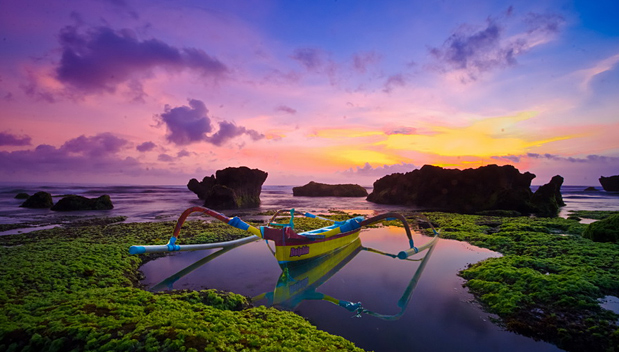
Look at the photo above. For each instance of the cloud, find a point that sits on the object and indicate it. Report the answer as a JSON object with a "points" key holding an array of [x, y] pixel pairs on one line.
{"points": [[380, 171], [476, 50], [310, 58], [94, 154], [101, 59], [393, 81], [13, 140], [165, 158], [100, 145], [361, 61], [286, 109], [401, 130], [191, 124], [186, 124], [597, 159], [146, 147]]}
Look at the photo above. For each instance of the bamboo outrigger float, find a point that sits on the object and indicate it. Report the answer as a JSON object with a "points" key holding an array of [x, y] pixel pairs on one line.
{"points": [[290, 246]]}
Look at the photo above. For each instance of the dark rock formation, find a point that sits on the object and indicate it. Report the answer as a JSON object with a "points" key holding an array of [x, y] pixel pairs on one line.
{"points": [[38, 200], [22, 195], [73, 202], [315, 189], [606, 230], [230, 188], [487, 188], [610, 184], [590, 189], [547, 199]]}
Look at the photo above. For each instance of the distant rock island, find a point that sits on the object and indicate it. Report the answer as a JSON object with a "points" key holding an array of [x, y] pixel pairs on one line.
{"points": [[67, 203], [230, 188], [73, 202], [610, 184], [488, 188], [315, 189]]}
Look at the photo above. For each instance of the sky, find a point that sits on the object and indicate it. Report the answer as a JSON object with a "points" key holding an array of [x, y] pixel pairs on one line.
{"points": [[346, 91]]}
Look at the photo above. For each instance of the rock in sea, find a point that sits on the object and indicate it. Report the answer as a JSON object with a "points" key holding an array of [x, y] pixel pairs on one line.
{"points": [[488, 188], [315, 189], [610, 184], [38, 200], [74, 202], [230, 188]]}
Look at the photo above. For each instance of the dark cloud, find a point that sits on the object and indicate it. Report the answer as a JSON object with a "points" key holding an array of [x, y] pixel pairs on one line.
{"points": [[598, 159], [393, 81], [476, 51], [101, 59], [183, 153], [190, 124], [83, 159], [165, 158], [361, 61], [228, 130], [11, 139], [286, 109], [187, 124], [401, 130], [380, 171], [96, 154], [100, 145], [312, 59], [146, 147], [545, 23]]}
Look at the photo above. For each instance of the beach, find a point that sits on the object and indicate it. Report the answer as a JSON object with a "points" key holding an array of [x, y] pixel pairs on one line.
{"points": [[146, 215]]}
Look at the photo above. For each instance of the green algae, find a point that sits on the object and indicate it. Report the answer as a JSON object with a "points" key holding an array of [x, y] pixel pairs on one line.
{"points": [[77, 288], [548, 281], [605, 230]]}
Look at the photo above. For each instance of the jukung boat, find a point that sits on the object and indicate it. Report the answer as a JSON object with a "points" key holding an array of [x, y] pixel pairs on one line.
{"points": [[290, 246], [307, 259]]}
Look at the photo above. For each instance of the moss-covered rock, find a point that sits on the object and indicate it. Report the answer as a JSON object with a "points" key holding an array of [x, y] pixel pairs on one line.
{"points": [[38, 200], [77, 289], [606, 230], [548, 281], [315, 189]]}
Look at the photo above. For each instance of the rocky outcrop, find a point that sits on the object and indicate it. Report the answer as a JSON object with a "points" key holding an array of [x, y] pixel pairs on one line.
{"points": [[22, 195], [590, 189], [547, 199], [610, 184], [486, 188], [315, 189], [230, 188], [38, 200], [74, 202]]}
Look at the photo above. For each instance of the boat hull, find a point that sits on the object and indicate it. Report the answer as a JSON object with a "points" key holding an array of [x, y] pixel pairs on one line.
{"points": [[294, 251]]}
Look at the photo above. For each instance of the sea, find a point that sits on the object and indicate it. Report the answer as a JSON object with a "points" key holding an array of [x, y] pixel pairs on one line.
{"points": [[416, 305]]}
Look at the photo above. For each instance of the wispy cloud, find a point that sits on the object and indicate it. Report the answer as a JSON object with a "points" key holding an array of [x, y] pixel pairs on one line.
{"points": [[475, 50]]}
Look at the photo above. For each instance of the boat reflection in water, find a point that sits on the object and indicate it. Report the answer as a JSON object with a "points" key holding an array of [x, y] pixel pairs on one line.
{"points": [[299, 281]]}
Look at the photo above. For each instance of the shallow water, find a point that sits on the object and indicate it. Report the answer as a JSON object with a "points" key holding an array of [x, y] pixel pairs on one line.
{"points": [[441, 315]]}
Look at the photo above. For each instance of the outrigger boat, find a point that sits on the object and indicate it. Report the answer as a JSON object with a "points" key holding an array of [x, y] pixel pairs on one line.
{"points": [[307, 259], [290, 246]]}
